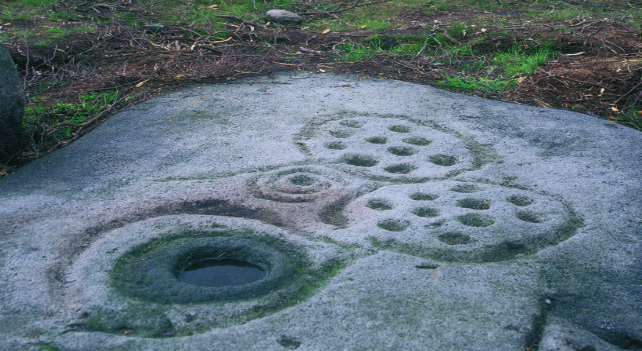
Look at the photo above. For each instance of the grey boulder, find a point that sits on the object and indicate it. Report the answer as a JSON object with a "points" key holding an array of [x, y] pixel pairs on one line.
{"points": [[282, 16], [12, 104]]}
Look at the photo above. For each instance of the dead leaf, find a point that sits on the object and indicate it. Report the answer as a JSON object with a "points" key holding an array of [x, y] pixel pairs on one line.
{"points": [[141, 83], [326, 31]]}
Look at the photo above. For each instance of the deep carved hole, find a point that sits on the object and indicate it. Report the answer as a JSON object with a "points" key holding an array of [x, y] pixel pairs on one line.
{"points": [[360, 160], [443, 160], [528, 216], [379, 205], [399, 129], [426, 212], [454, 238], [402, 168], [476, 220], [216, 272], [393, 225], [377, 140], [423, 196], [520, 200], [336, 145], [475, 204], [419, 141], [401, 150]]}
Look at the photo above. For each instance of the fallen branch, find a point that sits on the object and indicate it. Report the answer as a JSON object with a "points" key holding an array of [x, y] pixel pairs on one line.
{"points": [[629, 92], [236, 18], [422, 48], [590, 36], [210, 48]]}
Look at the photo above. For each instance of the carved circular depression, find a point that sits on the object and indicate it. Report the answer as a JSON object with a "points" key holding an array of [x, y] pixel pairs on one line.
{"points": [[379, 205], [191, 270], [401, 150], [419, 196], [360, 160], [182, 274], [399, 128], [336, 145], [377, 140], [419, 141], [295, 184]]}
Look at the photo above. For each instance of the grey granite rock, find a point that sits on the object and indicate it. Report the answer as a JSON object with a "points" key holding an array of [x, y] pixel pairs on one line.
{"points": [[283, 16], [388, 215], [12, 101]]}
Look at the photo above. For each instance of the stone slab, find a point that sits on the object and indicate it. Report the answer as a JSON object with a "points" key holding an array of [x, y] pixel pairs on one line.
{"points": [[12, 105], [390, 215]]}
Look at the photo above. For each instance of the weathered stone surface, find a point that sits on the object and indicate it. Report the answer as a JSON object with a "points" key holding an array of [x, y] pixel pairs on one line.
{"points": [[12, 102], [562, 335], [283, 16], [391, 216]]}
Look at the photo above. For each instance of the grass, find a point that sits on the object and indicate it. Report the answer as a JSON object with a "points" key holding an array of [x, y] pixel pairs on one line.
{"points": [[508, 67], [485, 84], [65, 117], [520, 61], [631, 117]]}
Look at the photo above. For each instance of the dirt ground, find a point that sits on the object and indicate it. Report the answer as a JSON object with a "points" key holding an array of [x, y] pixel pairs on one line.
{"points": [[598, 72]]}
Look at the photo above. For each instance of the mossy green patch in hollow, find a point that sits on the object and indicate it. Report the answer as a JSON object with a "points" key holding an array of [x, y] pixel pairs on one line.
{"points": [[476, 220], [419, 196], [465, 188], [401, 150], [360, 160], [426, 212], [530, 217], [379, 205], [336, 145], [402, 168], [443, 160], [377, 140], [475, 204], [399, 129], [393, 225], [419, 141], [520, 200]]}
